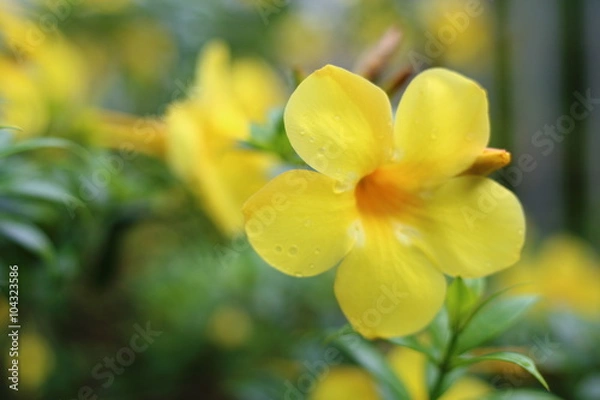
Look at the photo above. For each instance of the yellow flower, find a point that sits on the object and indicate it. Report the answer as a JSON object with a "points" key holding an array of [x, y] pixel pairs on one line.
{"points": [[343, 383], [229, 327], [42, 77], [203, 133], [36, 359], [386, 201], [565, 272], [22, 103], [457, 32], [347, 382]]}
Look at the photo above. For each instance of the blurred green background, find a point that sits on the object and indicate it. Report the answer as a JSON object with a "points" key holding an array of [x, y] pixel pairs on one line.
{"points": [[110, 243]]}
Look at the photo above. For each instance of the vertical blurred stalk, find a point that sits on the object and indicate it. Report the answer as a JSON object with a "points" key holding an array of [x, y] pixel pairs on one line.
{"points": [[503, 79], [573, 72]]}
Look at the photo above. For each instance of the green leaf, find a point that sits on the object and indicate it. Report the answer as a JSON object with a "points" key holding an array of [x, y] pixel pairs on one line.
{"points": [[43, 143], [492, 319], [521, 394], [516, 358], [29, 237], [413, 343], [439, 330], [460, 300], [40, 190], [365, 354]]}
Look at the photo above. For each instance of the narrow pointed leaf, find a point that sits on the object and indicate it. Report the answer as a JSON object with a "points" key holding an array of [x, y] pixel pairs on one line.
{"points": [[515, 358]]}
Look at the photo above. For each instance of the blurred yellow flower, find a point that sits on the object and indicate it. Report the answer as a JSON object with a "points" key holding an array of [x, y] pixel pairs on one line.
{"points": [[565, 272], [146, 63], [345, 382], [21, 100], [36, 360], [229, 327], [204, 130], [126, 132], [42, 77], [4, 309], [457, 32], [387, 201]]}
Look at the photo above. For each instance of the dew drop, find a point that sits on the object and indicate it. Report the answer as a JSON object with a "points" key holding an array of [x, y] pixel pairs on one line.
{"points": [[396, 155], [346, 183], [298, 275], [278, 249], [322, 150], [293, 250], [311, 139], [341, 186], [406, 234], [358, 232], [521, 232], [337, 117], [311, 266], [317, 251], [307, 223], [319, 162], [302, 132]]}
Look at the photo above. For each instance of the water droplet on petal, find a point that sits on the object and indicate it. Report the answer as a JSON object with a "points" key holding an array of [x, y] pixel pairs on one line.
{"points": [[319, 162], [298, 274], [357, 231], [396, 155], [307, 223], [293, 250], [311, 139], [337, 117], [278, 249], [346, 183], [302, 132], [311, 266], [317, 251], [406, 234]]}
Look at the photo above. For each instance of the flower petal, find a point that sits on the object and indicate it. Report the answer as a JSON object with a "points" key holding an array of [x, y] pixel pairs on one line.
{"points": [[343, 383], [339, 123], [473, 227], [213, 91], [442, 124], [222, 176], [257, 88], [298, 224], [386, 288]]}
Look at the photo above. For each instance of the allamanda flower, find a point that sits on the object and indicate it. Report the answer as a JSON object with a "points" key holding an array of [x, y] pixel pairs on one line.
{"points": [[565, 273], [348, 382], [204, 131], [389, 201]]}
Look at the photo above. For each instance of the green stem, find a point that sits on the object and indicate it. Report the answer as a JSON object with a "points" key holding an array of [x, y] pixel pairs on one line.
{"points": [[445, 366]]}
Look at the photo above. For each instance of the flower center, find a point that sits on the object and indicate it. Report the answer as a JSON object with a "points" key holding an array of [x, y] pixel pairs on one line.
{"points": [[386, 193]]}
